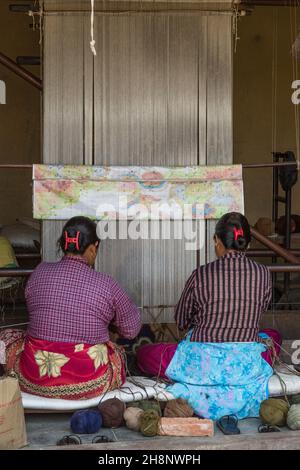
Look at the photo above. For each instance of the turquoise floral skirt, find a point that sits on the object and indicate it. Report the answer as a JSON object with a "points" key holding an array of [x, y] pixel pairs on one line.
{"points": [[218, 379]]}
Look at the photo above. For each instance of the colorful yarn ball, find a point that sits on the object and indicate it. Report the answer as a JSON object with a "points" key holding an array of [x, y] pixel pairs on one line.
{"points": [[86, 422]]}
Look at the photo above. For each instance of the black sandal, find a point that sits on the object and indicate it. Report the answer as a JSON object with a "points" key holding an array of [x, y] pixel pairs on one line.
{"points": [[100, 439], [228, 425], [268, 428], [71, 439]]}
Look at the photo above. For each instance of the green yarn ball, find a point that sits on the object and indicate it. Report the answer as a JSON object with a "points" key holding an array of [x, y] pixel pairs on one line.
{"points": [[274, 411], [149, 423]]}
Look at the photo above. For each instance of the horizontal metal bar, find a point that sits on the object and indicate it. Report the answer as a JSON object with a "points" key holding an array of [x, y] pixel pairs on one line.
{"points": [[28, 255], [266, 253], [13, 325], [15, 272], [280, 199], [271, 165], [246, 165], [16, 166], [284, 268], [275, 268]]}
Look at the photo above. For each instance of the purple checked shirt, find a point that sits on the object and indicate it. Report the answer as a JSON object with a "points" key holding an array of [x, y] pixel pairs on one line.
{"points": [[70, 302]]}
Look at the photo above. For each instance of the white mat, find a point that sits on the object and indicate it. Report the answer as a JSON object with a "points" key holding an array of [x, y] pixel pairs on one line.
{"points": [[128, 392], [132, 392]]}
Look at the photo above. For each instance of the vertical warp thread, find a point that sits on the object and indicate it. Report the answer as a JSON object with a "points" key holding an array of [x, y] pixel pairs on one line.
{"points": [[93, 42]]}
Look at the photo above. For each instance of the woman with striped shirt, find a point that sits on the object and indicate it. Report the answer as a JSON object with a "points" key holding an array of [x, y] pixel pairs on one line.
{"points": [[219, 367]]}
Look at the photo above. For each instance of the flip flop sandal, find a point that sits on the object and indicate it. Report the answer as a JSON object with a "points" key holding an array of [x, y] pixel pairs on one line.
{"points": [[268, 428], [71, 439], [101, 439], [228, 425]]}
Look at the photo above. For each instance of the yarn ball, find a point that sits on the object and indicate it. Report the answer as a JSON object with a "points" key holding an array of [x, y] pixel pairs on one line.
{"points": [[178, 408], [147, 405], [274, 411], [112, 411], [86, 422], [293, 417], [149, 423], [295, 399], [132, 417]]}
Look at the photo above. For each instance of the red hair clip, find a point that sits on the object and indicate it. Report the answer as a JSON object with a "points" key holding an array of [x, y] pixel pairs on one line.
{"points": [[72, 240], [238, 232]]}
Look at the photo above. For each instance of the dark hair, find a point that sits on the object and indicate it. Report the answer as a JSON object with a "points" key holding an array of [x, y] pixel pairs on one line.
{"points": [[234, 231], [87, 235]]}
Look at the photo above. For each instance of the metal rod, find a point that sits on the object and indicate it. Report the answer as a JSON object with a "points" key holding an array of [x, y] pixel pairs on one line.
{"points": [[16, 166], [284, 268], [246, 166], [20, 71], [13, 325], [270, 165], [15, 272], [33, 255], [266, 253], [279, 250]]}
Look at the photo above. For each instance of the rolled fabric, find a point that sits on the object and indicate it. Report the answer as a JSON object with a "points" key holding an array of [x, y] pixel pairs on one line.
{"points": [[274, 411]]}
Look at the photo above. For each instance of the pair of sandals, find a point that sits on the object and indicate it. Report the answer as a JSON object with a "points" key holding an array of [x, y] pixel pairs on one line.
{"points": [[73, 439], [229, 425]]}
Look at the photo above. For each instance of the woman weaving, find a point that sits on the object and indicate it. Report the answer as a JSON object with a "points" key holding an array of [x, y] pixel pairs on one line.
{"points": [[218, 368], [67, 351]]}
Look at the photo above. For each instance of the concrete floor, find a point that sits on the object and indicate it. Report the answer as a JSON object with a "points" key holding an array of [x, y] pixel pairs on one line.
{"points": [[44, 430]]}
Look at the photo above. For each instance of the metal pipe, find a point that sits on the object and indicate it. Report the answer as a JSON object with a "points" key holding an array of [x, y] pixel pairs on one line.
{"points": [[33, 255], [284, 268], [16, 166], [246, 166], [15, 272], [274, 268], [266, 253], [279, 250], [21, 72], [267, 3], [270, 165]]}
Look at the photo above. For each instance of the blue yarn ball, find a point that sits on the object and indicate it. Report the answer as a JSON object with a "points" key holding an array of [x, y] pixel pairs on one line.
{"points": [[86, 422]]}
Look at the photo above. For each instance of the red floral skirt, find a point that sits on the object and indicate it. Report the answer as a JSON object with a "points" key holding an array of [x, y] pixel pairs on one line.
{"points": [[66, 370]]}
